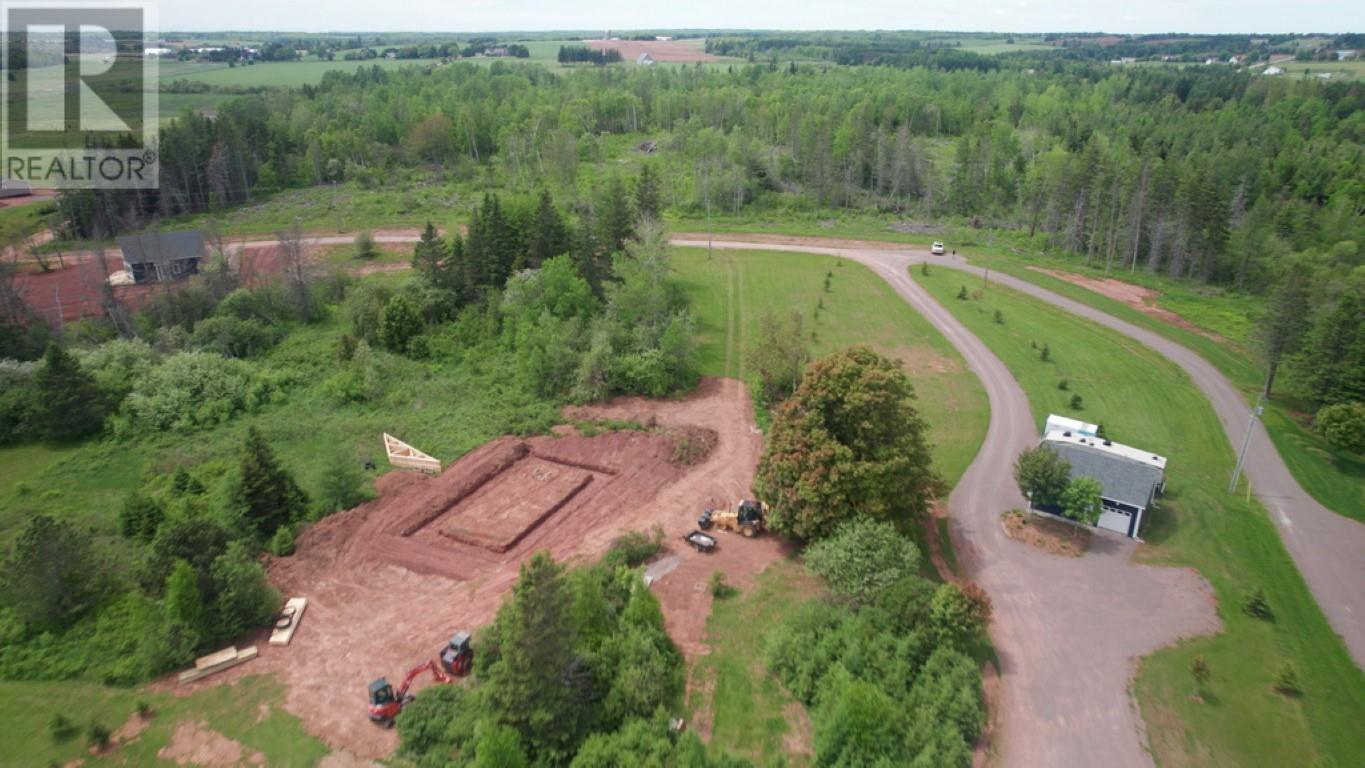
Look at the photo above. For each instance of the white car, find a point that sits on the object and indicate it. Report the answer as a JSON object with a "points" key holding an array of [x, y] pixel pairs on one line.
{"points": [[936, 249]]}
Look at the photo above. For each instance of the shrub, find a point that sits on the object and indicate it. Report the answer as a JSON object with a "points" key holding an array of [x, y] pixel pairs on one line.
{"points": [[1064, 385], [1199, 670], [1255, 604], [232, 337], [341, 484], [98, 736], [955, 618], [924, 268], [1077, 402], [1045, 354], [1343, 425], [193, 390], [399, 323], [862, 558], [1287, 679], [720, 588], [282, 542], [60, 728], [999, 317], [634, 547], [962, 293], [364, 245], [143, 708]]}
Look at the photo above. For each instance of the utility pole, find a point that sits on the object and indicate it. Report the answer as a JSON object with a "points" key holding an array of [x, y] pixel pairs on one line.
{"points": [[1246, 442]]}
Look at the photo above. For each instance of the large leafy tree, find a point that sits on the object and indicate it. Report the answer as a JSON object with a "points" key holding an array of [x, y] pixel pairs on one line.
{"points": [[267, 494], [67, 403], [1042, 475], [848, 443]]}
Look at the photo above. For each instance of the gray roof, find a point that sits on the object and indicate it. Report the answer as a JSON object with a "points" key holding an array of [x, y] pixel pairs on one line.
{"points": [[1124, 480], [162, 247]]}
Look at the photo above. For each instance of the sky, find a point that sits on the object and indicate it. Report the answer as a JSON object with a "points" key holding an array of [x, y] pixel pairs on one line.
{"points": [[1119, 16]]}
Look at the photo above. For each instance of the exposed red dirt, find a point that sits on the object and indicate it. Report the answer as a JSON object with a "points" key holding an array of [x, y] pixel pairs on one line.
{"points": [[381, 602], [197, 744], [1136, 296], [671, 50]]}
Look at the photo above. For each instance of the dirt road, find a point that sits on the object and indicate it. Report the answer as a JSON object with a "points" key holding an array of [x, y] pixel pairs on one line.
{"points": [[1067, 630]]}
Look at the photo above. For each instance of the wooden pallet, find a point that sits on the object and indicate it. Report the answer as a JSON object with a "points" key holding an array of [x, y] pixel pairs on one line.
{"points": [[406, 457], [283, 636]]}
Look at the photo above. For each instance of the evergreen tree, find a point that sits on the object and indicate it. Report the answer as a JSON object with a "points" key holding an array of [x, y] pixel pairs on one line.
{"points": [[616, 221], [184, 600], [1334, 357], [548, 236], [532, 676], [647, 200], [268, 496], [1285, 320], [429, 255], [67, 403], [51, 575]]}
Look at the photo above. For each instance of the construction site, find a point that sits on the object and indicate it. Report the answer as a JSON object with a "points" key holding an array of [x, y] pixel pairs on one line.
{"points": [[388, 582]]}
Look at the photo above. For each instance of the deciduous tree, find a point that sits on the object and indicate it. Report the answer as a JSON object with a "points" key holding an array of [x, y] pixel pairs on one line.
{"points": [[848, 443], [1042, 475]]}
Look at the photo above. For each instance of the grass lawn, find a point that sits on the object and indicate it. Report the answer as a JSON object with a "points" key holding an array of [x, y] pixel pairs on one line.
{"points": [[1144, 400], [752, 715], [733, 289], [249, 712], [1336, 479]]}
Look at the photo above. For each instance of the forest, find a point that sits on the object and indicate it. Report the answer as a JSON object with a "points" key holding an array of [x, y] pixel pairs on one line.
{"points": [[1210, 174]]}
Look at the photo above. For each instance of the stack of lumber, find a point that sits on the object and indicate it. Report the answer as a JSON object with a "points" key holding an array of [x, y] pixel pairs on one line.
{"points": [[293, 611], [217, 662]]}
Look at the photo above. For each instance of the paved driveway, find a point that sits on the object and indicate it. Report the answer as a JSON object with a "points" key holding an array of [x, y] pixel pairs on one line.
{"points": [[1067, 630]]}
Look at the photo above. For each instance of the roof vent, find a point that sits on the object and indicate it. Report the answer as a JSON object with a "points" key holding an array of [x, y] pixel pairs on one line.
{"points": [[1108, 442], [1066, 434]]}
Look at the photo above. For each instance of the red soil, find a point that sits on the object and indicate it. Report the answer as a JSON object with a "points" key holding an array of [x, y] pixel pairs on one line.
{"points": [[381, 601], [673, 50]]}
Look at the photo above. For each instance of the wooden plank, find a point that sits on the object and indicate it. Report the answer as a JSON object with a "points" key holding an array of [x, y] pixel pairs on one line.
{"points": [[217, 662], [283, 636]]}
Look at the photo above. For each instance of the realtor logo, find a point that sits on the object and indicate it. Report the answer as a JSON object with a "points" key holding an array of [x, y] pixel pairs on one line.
{"points": [[79, 94]]}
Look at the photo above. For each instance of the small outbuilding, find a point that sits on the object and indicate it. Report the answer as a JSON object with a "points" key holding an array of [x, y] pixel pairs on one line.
{"points": [[163, 256], [1131, 479], [644, 59]]}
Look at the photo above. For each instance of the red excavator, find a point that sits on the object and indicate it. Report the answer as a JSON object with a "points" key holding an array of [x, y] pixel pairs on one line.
{"points": [[386, 703], [456, 658]]}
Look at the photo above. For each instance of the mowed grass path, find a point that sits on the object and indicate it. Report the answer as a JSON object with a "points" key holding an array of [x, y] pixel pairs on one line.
{"points": [[732, 290], [751, 714], [1145, 400], [249, 712]]}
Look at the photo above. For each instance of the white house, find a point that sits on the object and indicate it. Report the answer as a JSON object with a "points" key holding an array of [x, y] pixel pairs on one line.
{"points": [[1131, 478], [644, 59], [1274, 70]]}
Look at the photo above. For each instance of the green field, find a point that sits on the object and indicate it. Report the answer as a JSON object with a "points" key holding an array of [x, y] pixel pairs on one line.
{"points": [[1145, 400], [733, 289], [1351, 69], [250, 712], [752, 714]]}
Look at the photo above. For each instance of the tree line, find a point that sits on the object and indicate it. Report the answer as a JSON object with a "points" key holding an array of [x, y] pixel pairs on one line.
{"points": [[1206, 173]]}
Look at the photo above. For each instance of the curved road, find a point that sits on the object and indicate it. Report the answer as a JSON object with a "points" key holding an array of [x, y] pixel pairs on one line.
{"points": [[1066, 630]]}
